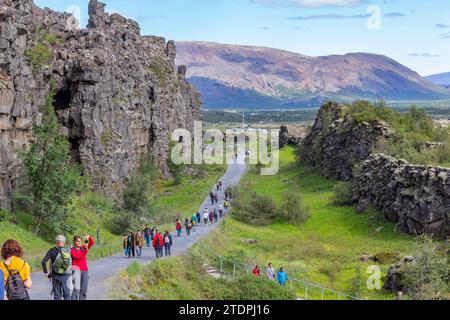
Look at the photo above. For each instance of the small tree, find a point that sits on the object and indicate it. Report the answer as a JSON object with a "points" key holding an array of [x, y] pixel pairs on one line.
{"points": [[342, 194], [427, 277], [293, 209], [356, 283], [49, 179]]}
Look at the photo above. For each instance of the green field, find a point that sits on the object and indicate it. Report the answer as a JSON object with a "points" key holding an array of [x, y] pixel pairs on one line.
{"points": [[327, 248]]}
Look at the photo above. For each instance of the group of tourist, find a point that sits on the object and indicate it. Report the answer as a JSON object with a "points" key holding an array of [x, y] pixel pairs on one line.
{"points": [[281, 276], [68, 270]]}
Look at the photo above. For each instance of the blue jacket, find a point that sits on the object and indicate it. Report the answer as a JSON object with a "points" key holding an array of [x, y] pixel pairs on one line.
{"points": [[282, 277], [2, 285]]}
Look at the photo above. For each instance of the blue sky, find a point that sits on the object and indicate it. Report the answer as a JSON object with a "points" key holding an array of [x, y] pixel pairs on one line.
{"points": [[416, 33]]}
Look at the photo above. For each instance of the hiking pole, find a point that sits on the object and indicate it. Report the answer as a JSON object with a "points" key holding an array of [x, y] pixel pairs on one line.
{"points": [[98, 236]]}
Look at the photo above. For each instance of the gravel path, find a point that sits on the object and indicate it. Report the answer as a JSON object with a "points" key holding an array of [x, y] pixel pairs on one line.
{"points": [[100, 271]]}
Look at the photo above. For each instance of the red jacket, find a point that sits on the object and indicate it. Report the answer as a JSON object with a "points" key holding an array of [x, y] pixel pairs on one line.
{"points": [[79, 256], [178, 227], [256, 272], [155, 239]]}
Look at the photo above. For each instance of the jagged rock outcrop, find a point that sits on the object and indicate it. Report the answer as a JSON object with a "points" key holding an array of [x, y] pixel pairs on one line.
{"points": [[416, 197], [292, 135], [118, 92], [337, 142]]}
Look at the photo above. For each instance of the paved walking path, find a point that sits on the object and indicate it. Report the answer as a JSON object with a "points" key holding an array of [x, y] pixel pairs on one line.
{"points": [[100, 271]]}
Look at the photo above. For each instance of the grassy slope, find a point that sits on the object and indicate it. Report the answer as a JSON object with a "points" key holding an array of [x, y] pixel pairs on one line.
{"points": [[326, 249]]}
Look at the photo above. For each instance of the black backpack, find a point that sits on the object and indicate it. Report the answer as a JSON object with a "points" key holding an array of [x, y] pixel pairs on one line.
{"points": [[15, 288]]}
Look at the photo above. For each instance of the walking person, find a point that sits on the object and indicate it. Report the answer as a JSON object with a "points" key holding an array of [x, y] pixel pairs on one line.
{"points": [[226, 204], [188, 226], [125, 245], [205, 217], [216, 198], [211, 196], [199, 218], [220, 210], [216, 216], [270, 272], [131, 245], [157, 244], [167, 243], [80, 269], [178, 227], [194, 222], [217, 185], [211, 217], [148, 235], [256, 271], [220, 185], [61, 268], [139, 240], [15, 273], [282, 277]]}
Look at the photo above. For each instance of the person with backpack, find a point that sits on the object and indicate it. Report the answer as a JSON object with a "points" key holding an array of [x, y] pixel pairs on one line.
{"points": [[167, 243], [131, 245], [16, 273], [270, 272], [139, 242], [194, 222], [80, 269], [188, 226], [178, 227], [282, 277], [220, 185], [226, 204], [158, 244], [61, 268], [216, 215], [199, 218]]}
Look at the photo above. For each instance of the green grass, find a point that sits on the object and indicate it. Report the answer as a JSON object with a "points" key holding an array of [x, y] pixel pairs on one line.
{"points": [[327, 248], [184, 199]]}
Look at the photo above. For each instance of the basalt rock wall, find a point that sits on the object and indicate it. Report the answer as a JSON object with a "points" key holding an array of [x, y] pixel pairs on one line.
{"points": [[336, 143], [118, 93], [416, 197]]}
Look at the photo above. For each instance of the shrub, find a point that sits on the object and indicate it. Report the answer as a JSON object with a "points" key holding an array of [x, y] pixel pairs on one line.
{"points": [[5, 216], [427, 278], [342, 194], [252, 208], [252, 288], [38, 56], [293, 209]]}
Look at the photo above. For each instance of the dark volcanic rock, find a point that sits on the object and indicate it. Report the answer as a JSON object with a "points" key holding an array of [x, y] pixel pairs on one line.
{"points": [[118, 93], [416, 197], [337, 143]]}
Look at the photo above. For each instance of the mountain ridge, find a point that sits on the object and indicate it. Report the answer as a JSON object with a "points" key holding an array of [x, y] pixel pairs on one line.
{"points": [[254, 76]]}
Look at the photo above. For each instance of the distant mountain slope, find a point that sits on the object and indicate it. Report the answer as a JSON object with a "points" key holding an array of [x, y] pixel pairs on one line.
{"points": [[246, 76], [441, 79]]}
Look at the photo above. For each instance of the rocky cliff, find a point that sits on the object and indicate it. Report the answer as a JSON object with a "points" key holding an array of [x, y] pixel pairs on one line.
{"points": [[336, 143], [416, 197], [118, 93]]}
